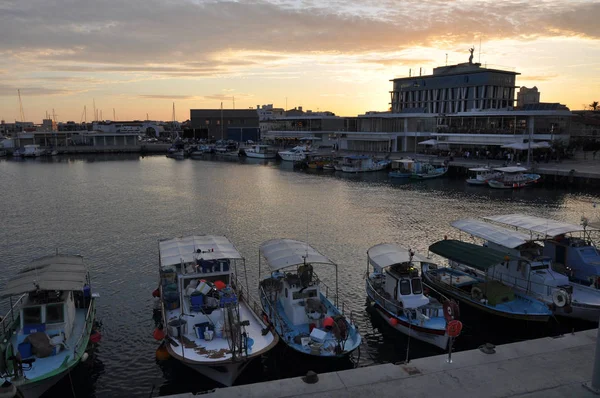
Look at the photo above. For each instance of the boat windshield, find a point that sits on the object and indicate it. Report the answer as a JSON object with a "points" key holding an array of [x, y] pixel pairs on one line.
{"points": [[404, 287], [417, 287]]}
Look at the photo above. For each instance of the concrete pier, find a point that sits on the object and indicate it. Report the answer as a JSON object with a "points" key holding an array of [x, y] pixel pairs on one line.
{"points": [[541, 368]]}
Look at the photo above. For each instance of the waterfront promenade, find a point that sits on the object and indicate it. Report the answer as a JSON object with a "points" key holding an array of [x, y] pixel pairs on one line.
{"points": [[541, 368]]}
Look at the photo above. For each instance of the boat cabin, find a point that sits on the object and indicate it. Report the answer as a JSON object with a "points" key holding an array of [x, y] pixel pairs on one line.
{"points": [[403, 165], [511, 173]]}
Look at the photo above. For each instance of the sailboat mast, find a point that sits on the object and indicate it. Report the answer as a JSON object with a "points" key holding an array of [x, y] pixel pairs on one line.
{"points": [[21, 112]]}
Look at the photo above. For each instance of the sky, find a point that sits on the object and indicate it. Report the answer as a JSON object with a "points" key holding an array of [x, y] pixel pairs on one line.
{"points": [[138, 57]]}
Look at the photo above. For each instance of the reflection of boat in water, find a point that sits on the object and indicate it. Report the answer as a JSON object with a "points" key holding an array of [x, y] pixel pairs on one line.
{"points": [[46, 332], [483, 293], [298, 305], [481, 175], [209, 317], [513, 177], [363, 163], [397, 294]]}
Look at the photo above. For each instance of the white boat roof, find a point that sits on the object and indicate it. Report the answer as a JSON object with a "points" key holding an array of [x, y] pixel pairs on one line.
{"points": [[283, 253], [511, 169], [387, 254], [403, 161], [537, 224], [188, 249], [59, 272], [491, 233], [480, 169]]}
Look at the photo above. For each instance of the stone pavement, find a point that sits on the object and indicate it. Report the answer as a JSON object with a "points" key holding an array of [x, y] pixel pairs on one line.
{"points": [[541, 368]]}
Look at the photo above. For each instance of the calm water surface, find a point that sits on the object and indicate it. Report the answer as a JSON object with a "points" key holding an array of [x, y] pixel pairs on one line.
{"points": [[113, 210]]}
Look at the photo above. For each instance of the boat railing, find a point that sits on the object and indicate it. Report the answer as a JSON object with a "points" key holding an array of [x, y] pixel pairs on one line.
{"points": [[86, 329], [271, 311], [388, 305], [8, 319]]}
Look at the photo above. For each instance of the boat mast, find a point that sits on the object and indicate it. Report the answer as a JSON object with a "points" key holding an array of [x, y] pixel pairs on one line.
{"points": [[21, 112]]}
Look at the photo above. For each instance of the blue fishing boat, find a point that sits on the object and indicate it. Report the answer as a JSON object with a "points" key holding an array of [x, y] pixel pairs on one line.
{"points": [[395, 291], [46, 332], [570, 246], [481, 292], [297, 304]]}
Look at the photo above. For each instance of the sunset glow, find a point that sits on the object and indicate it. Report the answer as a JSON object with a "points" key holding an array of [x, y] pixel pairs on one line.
{"points": [[139, 57]]}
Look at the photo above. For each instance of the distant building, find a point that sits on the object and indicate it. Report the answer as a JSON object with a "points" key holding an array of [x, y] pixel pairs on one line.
{"points": [[236, 124], [268, 112], [48, 125], [129, 127], [586, 124], [527, 96]]}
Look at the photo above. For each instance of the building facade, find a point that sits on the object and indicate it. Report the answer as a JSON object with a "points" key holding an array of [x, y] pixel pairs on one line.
{"points": [[219, 124]]}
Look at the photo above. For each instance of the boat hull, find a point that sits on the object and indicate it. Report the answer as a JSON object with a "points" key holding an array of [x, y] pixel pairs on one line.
{"points": [[475, 181], [463, 298], [223, 373], [261, 155], [292, 157], [426, 176], [500, 184], [436, 337]]}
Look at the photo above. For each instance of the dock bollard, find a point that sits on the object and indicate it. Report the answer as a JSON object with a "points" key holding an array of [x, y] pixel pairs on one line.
{"points": [[594, 385]]}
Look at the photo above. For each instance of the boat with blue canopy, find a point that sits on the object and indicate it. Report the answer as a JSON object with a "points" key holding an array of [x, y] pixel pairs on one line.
{"points": [[481, 292], [395, 291], [298, 304]]}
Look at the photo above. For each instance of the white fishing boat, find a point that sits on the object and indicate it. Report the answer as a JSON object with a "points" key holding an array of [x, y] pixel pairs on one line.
{"points": [[46, 332], [395, 290], [296, 154], [210, 320], [179, 154], [481, 175], [227, 149], [570, 246], [513, 177], [261, 152], [363, 163], [32, 151], [299, 306], [530, 272]]}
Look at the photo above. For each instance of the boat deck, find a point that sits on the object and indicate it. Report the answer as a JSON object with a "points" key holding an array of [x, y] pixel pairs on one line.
{"points": [[42, 366], [218, 349], [291, 331]]}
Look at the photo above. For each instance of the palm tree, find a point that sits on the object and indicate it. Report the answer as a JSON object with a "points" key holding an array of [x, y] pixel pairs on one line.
{"points": [[594, 106]]}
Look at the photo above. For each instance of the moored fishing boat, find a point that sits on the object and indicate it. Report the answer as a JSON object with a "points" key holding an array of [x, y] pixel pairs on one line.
{"points": [[395, 290], [363, 163], [297, 153], [46, 332], [415, 169], [210, 319], [481, 175], [530, 272], [482, 293], [261, 152], [513, 177], [304, 316]]}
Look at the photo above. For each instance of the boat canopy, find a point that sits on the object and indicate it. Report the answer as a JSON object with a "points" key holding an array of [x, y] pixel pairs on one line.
{"points": [[428, 142], [404, 161], [387, 254], [60, 272], [511, 169], [537, 224], [491, 233], [475, 256], [188, 249], [283, 253]]}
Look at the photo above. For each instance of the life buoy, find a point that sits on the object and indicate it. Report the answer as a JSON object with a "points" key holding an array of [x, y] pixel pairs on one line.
{"points": [[451, 310], [560, 298], [476, 293]]}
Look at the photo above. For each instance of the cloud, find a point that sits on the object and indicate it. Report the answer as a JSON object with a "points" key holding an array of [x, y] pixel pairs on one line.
{"points": [[539, 78], [132, 35], [9, 90], [168, 97]]}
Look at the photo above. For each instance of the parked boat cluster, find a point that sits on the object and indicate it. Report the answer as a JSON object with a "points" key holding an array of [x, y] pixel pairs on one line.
{"points": [[524, 268]]}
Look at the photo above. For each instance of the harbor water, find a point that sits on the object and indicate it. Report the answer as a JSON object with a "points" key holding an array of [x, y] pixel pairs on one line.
{"points": [[112, 209]]}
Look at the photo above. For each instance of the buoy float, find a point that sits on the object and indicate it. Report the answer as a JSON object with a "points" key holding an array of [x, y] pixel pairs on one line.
{"points": [[95, 337], [162, 354], [393, 321], [220, 285], [85, 357], [156, 292], [328, 322], [158, 334]]}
